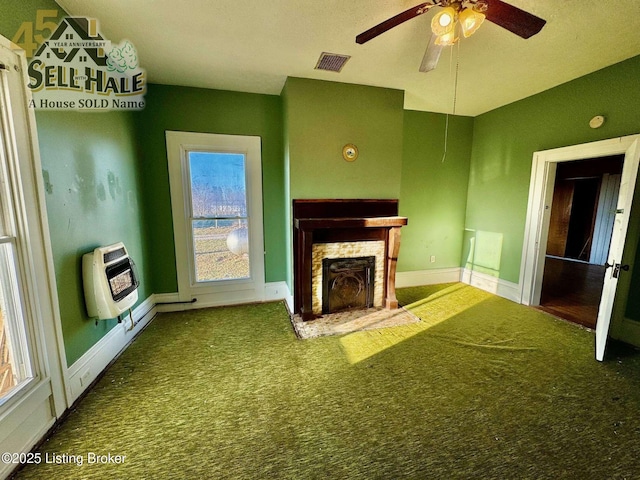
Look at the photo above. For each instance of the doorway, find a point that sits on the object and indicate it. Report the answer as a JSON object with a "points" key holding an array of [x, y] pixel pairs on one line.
{"points": [[581, 223], [543, 175]]}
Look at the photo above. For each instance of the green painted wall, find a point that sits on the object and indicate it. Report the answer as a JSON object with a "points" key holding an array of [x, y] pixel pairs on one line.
{"points": [[14, 12], [401, 156], [630, 307], [92, 193], [505, 139], [321, 118], [208, 111], [288, 210], [433, 192]]}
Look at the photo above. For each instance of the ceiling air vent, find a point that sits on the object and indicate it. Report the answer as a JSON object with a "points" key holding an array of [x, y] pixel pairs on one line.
{"points": [[331, 61]]}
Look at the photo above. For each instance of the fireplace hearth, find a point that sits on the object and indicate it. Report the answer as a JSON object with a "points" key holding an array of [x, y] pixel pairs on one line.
{"points": [[345, 230]]}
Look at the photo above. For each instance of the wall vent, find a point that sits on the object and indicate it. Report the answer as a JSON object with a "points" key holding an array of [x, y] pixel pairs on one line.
{"points": [[331, 62]]}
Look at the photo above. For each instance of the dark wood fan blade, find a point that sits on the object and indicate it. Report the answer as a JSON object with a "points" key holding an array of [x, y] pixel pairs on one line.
{"points": [[431, 55], [394, 21], [523, 24]]}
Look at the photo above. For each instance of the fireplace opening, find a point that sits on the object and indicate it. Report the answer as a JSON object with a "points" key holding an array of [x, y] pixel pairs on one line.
{"points": [[347, 283]]}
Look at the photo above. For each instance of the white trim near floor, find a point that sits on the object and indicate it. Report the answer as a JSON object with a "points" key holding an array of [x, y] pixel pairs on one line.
{"points": [[427, 277], [170, 302], [88, 367], [491, 284], [278, 291]]}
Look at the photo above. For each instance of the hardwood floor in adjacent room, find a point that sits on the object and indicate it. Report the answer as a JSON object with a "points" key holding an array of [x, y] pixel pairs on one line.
{"points": [[572, 290]]}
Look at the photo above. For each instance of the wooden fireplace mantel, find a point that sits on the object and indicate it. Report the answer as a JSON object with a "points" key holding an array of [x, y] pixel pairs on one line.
{"points": [[363, 222], [317, 228]]}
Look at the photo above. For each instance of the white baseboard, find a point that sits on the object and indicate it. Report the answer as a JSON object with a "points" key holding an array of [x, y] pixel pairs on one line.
{"points": [[427, 277], [170, 302], [278, 291], [87, 368], [491, 284]]}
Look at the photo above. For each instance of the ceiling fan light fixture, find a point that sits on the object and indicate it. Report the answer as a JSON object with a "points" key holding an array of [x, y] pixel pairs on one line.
{"points": [[444, 21], [470, 21], [447, 39]]}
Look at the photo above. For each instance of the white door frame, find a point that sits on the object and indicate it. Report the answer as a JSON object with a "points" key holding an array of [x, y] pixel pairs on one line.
{"points": [[543, 174], [224, 292]]}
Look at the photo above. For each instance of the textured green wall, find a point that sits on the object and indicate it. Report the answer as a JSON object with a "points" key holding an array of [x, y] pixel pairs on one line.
{"points": [[433, 191], [505, 139], [630, 307], [92, 194], [288, 208], [321, 118], [208, 111], [14, 12], [401, 156]]}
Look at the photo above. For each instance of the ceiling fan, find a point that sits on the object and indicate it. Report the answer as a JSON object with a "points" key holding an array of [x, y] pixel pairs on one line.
{"points": [[468, 14]]}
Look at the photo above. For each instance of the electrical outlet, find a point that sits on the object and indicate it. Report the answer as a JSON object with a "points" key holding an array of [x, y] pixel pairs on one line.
{"points": [[85, 378], [433, 259]]}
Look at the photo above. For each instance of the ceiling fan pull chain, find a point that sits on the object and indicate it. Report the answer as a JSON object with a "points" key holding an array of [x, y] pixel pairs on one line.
{"points": [[446, 136], [455, 84], [455, 97]]}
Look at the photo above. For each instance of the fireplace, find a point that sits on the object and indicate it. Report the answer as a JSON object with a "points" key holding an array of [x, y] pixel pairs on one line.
{"points": [[347, 283], [344, 229]]}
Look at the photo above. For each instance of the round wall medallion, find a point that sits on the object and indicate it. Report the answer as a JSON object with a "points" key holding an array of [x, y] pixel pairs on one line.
{"points": [[350, 152], [597, 121]]}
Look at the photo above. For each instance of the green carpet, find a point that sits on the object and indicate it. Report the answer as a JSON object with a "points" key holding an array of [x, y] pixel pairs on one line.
{"points": [[481, 388]]}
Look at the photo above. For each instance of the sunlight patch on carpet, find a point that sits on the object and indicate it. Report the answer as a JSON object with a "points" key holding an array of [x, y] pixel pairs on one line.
{"points": [[352, 321], [432, 311]]}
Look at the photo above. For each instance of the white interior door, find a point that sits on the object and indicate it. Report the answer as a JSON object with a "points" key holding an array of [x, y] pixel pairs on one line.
{"points": [[615, 267]]}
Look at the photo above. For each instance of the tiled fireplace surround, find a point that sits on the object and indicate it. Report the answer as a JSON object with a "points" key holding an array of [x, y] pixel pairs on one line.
{"points": [[344, 229]]}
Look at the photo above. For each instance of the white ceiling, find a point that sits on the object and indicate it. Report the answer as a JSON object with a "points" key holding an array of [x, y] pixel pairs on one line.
{"points": [[253, 46]]}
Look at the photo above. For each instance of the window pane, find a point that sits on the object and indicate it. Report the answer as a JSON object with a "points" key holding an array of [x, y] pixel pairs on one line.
{"points": [[14, 361], [7, 373], [221, 249], [218, 184]]}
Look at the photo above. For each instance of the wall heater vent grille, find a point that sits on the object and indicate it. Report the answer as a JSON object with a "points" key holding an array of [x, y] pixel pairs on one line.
{"points": [[110, 281]]}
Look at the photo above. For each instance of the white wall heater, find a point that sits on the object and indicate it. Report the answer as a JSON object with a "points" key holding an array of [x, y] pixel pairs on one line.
{"points": [[110, 281]]}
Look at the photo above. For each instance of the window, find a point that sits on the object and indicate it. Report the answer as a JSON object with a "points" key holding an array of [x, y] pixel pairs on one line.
{"points": [[219, 216], [216, 198], [32, 388], [15, 364]]}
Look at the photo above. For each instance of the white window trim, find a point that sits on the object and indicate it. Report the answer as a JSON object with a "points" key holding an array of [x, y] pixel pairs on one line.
{"points": [[224, 292], [48, 391]]}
